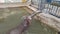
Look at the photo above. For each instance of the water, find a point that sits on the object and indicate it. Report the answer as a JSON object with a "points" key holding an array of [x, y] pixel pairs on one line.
{"points": [[14, 19]]}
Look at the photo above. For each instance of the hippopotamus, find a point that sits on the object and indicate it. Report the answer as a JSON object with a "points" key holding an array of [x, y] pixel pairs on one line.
{"points": [[20, 29]]}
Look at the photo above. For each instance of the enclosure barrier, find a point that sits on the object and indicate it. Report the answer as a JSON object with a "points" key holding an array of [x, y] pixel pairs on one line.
{"points": [[15, 4], [53, 10], [50, 15], [46, 7]]}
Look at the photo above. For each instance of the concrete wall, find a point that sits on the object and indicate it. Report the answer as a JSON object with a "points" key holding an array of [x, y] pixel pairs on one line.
{"points": [[48, 19], [18, 4], [5, 5]]}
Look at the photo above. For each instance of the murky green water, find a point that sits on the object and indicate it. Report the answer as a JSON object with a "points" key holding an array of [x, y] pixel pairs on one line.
{"points": [[15, 19]]}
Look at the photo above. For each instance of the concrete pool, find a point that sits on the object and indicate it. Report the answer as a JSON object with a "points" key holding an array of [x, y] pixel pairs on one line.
{"points": [[12, 18]]}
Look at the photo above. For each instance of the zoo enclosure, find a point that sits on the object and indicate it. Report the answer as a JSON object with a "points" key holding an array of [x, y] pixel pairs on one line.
{"points": [[46, 7]]}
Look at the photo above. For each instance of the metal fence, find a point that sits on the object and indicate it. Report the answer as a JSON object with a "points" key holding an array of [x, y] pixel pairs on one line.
{"points": [[45, 7], [53, 10]]}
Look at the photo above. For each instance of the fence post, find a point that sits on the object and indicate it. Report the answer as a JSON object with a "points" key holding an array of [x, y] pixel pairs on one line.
{"points": [[41, 5]]}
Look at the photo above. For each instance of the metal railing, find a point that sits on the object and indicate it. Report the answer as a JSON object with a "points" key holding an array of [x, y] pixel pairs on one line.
{"points": [[45, 7], [53, 10]]}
